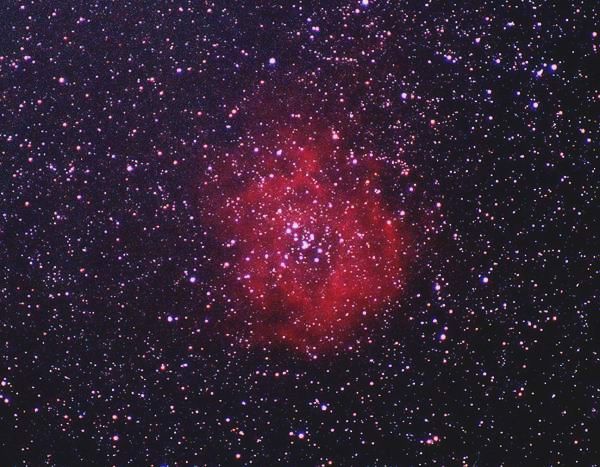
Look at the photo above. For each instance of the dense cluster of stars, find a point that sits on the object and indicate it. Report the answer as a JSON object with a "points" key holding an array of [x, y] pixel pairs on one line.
{"points": [[335, 233]]}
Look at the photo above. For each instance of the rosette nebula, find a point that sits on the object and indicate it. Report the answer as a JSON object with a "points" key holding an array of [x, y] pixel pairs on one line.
{"points": [[312, 246]]}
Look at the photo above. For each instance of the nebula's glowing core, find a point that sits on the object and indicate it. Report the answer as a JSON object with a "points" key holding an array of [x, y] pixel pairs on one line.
{"points": [[315, 254]]}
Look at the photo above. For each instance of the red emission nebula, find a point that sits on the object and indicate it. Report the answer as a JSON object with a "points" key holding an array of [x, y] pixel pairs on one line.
{"points": [[312, 248]]}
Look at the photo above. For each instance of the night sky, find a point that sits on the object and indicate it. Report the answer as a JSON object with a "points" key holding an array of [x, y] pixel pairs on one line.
{"points": [[299, 233]]}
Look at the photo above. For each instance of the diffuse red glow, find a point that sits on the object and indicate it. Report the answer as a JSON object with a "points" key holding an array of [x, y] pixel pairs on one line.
{"points": [[312, 253]]}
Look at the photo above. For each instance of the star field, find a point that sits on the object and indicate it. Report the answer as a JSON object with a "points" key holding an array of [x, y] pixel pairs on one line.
{"points": [[299, 233]]}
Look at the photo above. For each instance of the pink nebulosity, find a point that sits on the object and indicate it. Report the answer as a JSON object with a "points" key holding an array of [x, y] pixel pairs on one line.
{"points": [[315, 253]]}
